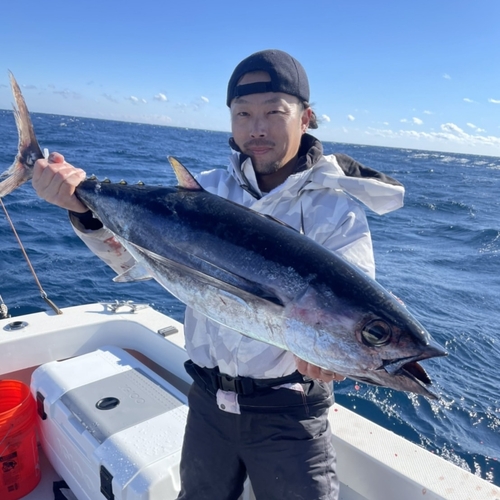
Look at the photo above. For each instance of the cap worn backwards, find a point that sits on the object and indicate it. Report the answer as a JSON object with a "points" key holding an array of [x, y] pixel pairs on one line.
{"points": [[286, 73]]}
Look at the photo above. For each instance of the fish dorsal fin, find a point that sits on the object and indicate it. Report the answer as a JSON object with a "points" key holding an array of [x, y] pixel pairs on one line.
{"points": [[184, 177]]}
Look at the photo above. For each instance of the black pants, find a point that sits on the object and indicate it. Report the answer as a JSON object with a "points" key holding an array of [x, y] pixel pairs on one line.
{"points": [[287, 455]]}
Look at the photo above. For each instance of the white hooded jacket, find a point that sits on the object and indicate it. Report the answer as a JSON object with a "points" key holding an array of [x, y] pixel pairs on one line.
{"points": [[320, 200]]}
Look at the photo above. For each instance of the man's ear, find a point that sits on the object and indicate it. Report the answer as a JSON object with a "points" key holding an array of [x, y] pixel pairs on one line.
{"points": [[306, 118]]}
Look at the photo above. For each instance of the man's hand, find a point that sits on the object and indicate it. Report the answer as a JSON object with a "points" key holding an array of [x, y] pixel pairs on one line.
{"points": [[55, 181], [316, 372]]}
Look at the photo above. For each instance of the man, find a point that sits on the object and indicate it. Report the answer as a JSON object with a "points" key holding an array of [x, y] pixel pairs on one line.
{"points": [[256, 410]]}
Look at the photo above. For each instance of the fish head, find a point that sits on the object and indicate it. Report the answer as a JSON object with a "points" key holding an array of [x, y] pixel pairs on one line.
{"points": [[375, 341], [393, 346]]}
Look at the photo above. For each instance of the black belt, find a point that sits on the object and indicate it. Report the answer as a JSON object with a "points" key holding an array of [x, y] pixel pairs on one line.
{"points": [[213, 380]]}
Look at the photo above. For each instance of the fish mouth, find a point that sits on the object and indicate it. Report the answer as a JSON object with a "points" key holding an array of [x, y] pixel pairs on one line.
{"points": [[406, 375], [412, 371], [409, 364], [409, 368]]}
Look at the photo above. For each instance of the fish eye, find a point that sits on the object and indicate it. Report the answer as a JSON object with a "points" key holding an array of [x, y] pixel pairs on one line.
{"points": [[376, 333]]}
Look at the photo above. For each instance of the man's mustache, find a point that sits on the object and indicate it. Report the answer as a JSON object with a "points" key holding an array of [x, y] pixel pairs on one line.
{"points": [[258, 143]]}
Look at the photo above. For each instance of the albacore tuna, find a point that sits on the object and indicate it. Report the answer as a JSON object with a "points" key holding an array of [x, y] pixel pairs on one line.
{"points": [[253, 274]]}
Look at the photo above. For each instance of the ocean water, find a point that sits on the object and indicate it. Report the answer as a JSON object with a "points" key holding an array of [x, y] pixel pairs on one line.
{"points": [[440, 253]]}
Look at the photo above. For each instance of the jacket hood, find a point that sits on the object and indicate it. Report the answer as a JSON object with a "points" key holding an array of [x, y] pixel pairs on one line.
{"points": [[377, 191]]}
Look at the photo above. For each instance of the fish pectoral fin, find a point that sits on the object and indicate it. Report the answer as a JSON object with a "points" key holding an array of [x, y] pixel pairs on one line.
{"points": [[218, 271], [227, 282], [228, 296], [242, 291], [135, 273], [184, 176]]}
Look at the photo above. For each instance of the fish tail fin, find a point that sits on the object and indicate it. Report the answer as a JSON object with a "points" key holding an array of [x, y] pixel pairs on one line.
{"points": [[28, 149], [12, 178]]}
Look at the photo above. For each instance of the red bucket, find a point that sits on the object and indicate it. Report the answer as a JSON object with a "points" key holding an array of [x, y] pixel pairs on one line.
{"points": [[19, 465]]}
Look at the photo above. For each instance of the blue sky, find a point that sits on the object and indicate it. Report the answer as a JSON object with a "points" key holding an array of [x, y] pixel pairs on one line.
{"points": [[405, 73]]}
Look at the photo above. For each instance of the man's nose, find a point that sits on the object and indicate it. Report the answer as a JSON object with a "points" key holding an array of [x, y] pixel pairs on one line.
{"points": [[258, 128]]}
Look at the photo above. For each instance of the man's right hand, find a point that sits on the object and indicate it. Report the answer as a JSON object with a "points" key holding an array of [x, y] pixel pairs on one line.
{"points": [[313, 371], [55, 181]]}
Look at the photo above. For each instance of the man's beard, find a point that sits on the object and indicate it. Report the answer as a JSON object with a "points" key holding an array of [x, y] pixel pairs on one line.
{"points": [[262, 167], [265, 168]]}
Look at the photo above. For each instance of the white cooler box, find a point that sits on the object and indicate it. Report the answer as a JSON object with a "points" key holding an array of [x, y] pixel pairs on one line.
{"points": [[110, 426]]}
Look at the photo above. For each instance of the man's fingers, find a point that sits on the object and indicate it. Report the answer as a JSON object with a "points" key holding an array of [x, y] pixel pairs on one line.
{"points": [[56, 157], [316, 372], [55, 181]]}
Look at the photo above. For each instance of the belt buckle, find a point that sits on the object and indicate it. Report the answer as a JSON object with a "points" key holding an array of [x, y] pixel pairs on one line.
{"points": [[228, 383]]}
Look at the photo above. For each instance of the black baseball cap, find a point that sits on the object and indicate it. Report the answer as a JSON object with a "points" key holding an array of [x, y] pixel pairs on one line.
{"points": [[287, 76]]}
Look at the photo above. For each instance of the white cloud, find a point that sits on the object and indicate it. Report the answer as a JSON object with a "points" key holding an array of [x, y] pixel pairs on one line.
{"points": [[109, 97], [325, 118], [466, 99], [494, 101], [67, 94], [446, 76], [350, 118], [136, 100], [427, 112], [403, 120], [476, 128], [449, 133], [204, 99], [160, 97], [417, 121], [451, 127]]}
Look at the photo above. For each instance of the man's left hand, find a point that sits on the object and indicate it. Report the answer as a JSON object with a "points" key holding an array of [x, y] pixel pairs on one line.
{"points": [[316, 372]]}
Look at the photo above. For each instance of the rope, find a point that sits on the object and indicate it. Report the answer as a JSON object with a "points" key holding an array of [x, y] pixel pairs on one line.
{"points": [[4, 310], [42, 292]]}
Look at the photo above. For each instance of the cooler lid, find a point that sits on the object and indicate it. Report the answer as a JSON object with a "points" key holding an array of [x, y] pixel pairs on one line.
{"points": [[115, 403]]}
